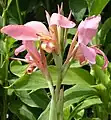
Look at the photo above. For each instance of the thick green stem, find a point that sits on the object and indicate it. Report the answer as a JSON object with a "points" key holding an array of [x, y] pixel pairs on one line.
{"points": [[60, 105], [58, 84], [18, 10], [53, 112]]}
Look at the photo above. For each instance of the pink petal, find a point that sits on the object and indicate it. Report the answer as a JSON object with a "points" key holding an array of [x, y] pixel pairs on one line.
{"points": [[20, 32], [39, 27], [47, 16], [60, 20], [30, 46], [98, 51], [87, 29], [28, 57], [89, 53], [19, 49], [79, 56]]}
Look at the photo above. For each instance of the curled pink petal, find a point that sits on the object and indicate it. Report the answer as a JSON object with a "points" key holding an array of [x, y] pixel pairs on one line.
{"points": [[87, 29], [38, 27], [20, 32], [19, 49], [89, 53], [98, 51], [60, 20]]}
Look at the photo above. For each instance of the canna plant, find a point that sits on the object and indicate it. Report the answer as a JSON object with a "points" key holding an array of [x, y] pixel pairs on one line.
{"points": [[86, 90]]}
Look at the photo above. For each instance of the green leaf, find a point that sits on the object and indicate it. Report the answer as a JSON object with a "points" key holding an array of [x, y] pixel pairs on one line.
{"points": [[101, 75], [38, 98], [9, 43], [8, 4], [89, 102], [21, 110], [77, 93], [37, 81], [78, 8], [97, 6], [72, 31], [85, 104], [67, 113], [17, 68], [79, 115], [45, 114], [104, 30]]}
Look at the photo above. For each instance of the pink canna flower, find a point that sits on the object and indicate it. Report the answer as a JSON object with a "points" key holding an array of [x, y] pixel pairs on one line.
{"points": [[86, 31], [36, 30]]}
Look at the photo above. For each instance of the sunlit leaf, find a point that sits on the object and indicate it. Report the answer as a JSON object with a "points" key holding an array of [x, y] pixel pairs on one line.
{"points": [[37, 81], [97, 6], [77, 93], [36, 99], [17, 68]]}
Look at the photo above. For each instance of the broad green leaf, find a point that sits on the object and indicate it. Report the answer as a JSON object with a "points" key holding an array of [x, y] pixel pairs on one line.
{"points": [[78, 8], [104, 30], [101, 75], [17, 68], [45, 114], [21, 110], [89, 102], [36, 81], [36, 99], [85, 104], [9, 43], [77, 93], [97, 6]]}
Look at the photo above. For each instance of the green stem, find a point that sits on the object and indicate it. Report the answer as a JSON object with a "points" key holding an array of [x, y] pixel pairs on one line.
{"points": [[60, 105], [18, 10], [58, 84], [5, 107], [4, 111], [53, 112]]}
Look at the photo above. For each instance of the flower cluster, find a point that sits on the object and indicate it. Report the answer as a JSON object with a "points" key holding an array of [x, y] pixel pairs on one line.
{"points": [[34, 31]]}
